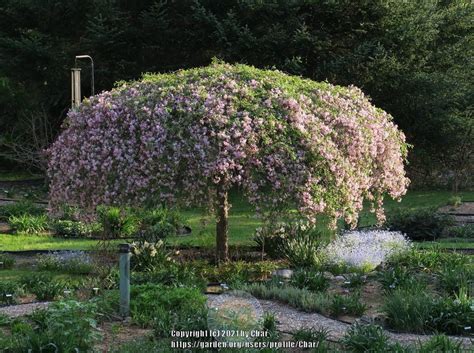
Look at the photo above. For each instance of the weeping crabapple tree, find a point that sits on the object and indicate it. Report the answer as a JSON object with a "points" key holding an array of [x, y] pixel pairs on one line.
{"points": [[187, 138]]}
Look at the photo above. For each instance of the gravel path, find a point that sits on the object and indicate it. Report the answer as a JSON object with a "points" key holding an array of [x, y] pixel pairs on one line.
{"points": [[22, 309], [290, 320]]}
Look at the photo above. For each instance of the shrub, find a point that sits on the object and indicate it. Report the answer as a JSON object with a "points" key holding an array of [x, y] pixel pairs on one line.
{"points": [[75, 229], [420, 224], [454, 201], [365, 338], [149, 256], [6, 261], [311, 280], [365, 250], [28, 224], [20, 208], [158, 223], [117, 222], [463, 231], [347, 305]]}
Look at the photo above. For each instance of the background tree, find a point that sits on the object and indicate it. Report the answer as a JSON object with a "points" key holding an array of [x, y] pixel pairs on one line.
{"points": [[189, 137], [414, 59]]}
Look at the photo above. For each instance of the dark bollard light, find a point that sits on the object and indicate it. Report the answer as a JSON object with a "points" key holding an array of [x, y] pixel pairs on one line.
{"points": [[124, 251]]}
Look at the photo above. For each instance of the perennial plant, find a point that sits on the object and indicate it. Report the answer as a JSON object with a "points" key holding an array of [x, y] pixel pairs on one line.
{"points": [[365, 249]]}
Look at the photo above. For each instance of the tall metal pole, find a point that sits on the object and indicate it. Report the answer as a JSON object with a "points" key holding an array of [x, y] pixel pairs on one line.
{"points": [[124, 250]]}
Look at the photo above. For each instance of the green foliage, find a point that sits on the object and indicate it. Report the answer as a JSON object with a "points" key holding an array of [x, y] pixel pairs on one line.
{"points": [[455, 201], [143, 345], [302, 250], [398, 277], [421, 312], [9, 291], [270, 326], [42, 285], [69, 326], [365, 338], [236, 272], [354, 280], [74, 265], [309, 279], [6, 261], [429, 260], [159, 223], [420, 224], [414, 60], [463, 231], [453, 278], [441, 343], [299, 298], [172, 274], [17, 209], [168, 309], [117, 222], [347, 305], [312, 335], [75, 229], [27, 224]]}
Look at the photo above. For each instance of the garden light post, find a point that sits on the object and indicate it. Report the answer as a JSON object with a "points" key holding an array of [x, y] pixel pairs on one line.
{"points": [[124, 251], [76, 81]]}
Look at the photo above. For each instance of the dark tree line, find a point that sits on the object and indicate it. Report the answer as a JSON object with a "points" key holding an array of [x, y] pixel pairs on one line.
{"points": [[413, 58]]}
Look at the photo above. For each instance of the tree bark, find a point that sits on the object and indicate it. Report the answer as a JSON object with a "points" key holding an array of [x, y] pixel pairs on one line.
{"points": [[222, 226]]}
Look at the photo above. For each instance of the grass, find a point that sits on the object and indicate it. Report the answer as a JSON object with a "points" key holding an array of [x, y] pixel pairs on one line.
{"points": [[242, 223], [9, 242], [18, 175]]}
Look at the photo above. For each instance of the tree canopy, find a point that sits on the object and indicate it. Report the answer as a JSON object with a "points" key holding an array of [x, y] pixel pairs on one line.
{"points": [[190, 136]]}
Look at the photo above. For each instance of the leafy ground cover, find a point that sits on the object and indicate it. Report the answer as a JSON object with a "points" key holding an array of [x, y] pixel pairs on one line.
{"points": [[168, 293]]}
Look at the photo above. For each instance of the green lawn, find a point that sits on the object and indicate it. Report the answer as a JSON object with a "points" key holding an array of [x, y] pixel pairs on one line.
{"points": [[18, 175], [242, 225]]}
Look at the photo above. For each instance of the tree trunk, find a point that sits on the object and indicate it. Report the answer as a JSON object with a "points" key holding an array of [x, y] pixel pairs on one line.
{"points": [[222, 226]]}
